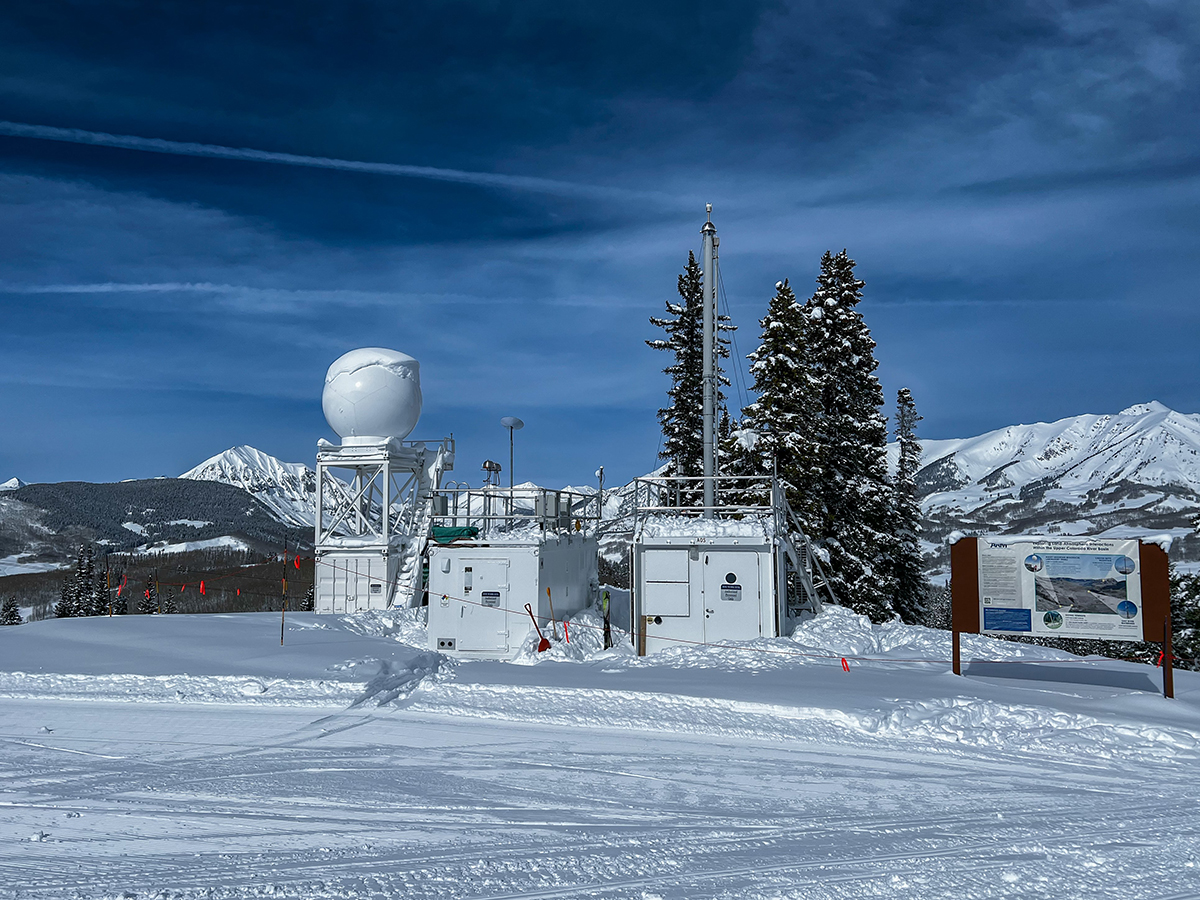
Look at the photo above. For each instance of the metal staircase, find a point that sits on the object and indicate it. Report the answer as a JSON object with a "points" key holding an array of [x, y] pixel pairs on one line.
{"points": [[374, 506], [416, 517], [804, 561]]}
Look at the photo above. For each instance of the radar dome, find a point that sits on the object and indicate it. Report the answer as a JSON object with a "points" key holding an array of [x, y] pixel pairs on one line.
{"points": [[373, 393]]}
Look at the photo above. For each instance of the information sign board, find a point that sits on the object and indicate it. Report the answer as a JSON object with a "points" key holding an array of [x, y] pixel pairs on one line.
{"points": [[1050, 586], [1060, 588]]}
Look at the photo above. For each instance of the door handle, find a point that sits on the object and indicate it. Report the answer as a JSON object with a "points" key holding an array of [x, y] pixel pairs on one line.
{"points": [[710, 610]]}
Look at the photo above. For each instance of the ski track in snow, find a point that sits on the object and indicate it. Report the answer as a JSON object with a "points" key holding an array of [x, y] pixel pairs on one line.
{"points": [[406, 775]]}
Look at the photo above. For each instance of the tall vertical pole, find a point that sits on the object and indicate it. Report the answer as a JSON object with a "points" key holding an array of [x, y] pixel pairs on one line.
{"points": [[510, 463], [708, 233]]}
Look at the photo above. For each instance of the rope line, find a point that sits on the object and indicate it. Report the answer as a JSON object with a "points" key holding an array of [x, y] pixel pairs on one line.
{"points": [[777, 651]]}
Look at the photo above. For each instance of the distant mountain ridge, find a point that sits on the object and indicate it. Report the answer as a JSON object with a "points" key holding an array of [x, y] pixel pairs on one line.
{"points": [[289, 490], [1133, 473], [45, 523]]}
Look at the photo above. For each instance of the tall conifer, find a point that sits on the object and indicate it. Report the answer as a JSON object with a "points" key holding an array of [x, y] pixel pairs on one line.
{"points": [[65, 607], [148, 604], [10, 613], [850, 510], [776, 430], [682, 421], [912, 589]]}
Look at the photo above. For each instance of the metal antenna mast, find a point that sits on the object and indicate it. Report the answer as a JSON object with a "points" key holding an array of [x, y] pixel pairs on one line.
{"points": [[709, 235]]}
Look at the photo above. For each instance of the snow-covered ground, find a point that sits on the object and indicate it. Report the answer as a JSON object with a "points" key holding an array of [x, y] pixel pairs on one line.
{"points": [[193, 756], [17, 564]]}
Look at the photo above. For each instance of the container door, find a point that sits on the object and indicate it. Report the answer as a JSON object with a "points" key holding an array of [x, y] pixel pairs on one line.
{"points": [[483, 609], [665, 589], [732, 609]]}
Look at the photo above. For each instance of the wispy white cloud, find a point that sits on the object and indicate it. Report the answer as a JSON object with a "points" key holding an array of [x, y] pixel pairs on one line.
{"points": [[216, 151]]}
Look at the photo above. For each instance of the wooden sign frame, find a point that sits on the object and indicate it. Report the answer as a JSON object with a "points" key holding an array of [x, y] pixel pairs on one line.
{"points": [[1153, 566]]}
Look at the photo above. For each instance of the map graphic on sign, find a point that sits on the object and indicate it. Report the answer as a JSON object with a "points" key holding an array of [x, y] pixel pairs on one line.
{"points": [[1078, 583]]}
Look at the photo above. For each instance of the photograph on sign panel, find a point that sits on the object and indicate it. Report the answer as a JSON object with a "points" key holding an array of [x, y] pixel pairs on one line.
{"points": [[1084, 583]]}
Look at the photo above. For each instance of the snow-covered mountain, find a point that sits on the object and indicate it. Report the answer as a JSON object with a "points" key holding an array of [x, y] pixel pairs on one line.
{"points": [[12, 484], [1133, 473], [288, 489]]}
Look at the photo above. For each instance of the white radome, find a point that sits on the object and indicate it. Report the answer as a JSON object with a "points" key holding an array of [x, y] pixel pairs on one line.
{"points": [[373, 393]]}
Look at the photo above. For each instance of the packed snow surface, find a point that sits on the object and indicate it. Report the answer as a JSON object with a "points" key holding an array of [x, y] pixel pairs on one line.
{"points": [[16, 564], [194, 756]]}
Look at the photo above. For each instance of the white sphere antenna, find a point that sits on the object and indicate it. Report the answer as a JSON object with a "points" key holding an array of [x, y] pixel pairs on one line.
{"points": [[372, 394]]}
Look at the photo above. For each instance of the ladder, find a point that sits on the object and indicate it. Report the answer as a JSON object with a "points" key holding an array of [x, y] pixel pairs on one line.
{"points": [[806, 563], [417, 520]]}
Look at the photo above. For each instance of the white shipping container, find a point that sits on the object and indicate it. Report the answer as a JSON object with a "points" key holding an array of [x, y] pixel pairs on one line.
{"points": [[478, 592]]}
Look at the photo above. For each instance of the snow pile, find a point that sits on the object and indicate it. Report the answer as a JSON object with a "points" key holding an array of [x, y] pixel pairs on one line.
{"points": [[181, 689], [324, 661], [404, 625], [691, 526], [840, 632], [586, 632]]}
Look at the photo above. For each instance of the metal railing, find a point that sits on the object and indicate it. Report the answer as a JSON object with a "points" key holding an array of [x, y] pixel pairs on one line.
{"points": [[739, 496], [498, 511]]}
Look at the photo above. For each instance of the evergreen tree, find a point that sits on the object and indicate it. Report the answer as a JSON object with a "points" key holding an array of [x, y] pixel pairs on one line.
{"points": [[168, 603], [10, 613], [850, 510], [83, 583], [775, 434], [65, 607], [683, 421], [907, 568], [309, 603], [120, 596], [100, 596], [148, 604], [1185, 618], [937, 612]]}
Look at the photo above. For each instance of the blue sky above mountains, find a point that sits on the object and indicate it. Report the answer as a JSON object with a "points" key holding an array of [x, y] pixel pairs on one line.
{"points": [[1018, 184]]}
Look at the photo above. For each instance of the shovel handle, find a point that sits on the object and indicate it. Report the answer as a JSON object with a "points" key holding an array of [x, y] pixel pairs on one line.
{"points": [[532, 618]]}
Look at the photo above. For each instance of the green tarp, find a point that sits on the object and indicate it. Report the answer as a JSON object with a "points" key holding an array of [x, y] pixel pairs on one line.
{"points": [[445, 534]]}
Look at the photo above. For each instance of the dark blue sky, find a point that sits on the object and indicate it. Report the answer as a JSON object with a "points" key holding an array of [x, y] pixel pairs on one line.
{"points": [[1018, 182]]}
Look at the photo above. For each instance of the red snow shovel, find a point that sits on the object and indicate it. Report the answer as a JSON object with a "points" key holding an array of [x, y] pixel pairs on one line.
{"points": [[543, 644]]}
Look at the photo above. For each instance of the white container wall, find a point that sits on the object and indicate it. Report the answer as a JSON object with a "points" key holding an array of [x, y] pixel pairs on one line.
{"points": [[353, 582], [477, 594], [705, 590]]}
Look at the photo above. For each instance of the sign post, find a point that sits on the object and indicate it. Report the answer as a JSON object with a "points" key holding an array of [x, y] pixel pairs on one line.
{"points": [[1168, 666]]}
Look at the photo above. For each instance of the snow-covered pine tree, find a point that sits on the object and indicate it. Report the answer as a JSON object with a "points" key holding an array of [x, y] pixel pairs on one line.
{"points": [[937, 612], [120, 596], [10, 613], [100, 597], [148, 604], [912, 589], [1185, 618], [682, 422], [850, 511], [309, 603], [168, 603], [776, 430], [65, 607], [81, 583]]}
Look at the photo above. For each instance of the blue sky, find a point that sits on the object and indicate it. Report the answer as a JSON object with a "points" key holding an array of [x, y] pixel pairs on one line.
{"points": [[1018, 183]]}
